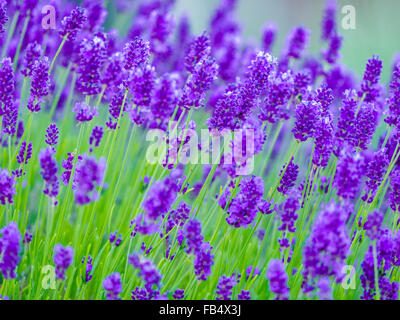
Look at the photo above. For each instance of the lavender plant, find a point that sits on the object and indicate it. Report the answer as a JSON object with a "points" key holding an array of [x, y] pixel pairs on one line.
{"points": [[307, 189]]}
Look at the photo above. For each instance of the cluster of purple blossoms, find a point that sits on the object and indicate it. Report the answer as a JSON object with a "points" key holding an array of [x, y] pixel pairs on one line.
{"points": [[387, 248], [393, 118], [117, 107], [112, 284], [52, 135], [306, 117], [394, 195], [198, 48], [92, 56], [328, 26], [244, 295], [10, 246], [278, 279], [49, 172], [89, 268], [369, 85], [84, 112], [63, 257], [95, 137], [7, 187], [164, 99], [204, 73], [68, 165], [204, 259], [8, 106], [349, 173], [327, 247], [323, 140], [3, 15], [268, 36], [288, 215], [225, 286], [375, 171], [148, 272], [40, 84], [244, 207], [114, 240], [72, 24], [135, 53], [288, 176], [88, 176], [179, 294], [161, 196], [32, 54]]}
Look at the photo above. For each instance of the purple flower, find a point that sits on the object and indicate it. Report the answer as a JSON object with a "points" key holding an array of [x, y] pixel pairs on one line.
{"points": [[373, 224], [198, 49], [393, 118], [63, 257], [68, 165], [250, 270], [3, 15], [244, 207], [203, 262], [349, 172], [375, 171], [323, 140], [331, 54], [88, 176], [161, 196], [141, 85], [287, 212], [40, 83], [135, 53], [112, 284], [27, 238], [73, 23], [148, 271], [193, 236], [328, 25], [307, 113], [259, 72], [84, 112], [7, 85], [32, 54], [372, 73], [288, 180], [327, 247], [161, 26], [179, 294], [394, 195], [92, 56], [49, 172], [9, 123], [268, 36], [51, 135], [95, 137], [96, 14], [89, 268], [204, 73], [224, 287], [297, 42], [10, 246], [244, 295], [25, 153], [163, 100], [278, 279], [280, 90]]}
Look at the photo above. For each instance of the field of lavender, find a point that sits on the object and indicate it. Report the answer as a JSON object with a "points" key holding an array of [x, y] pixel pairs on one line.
{"points": [[115, 183]]}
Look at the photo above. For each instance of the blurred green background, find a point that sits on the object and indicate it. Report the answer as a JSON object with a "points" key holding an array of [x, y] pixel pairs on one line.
{"points": [[377, 25]]}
